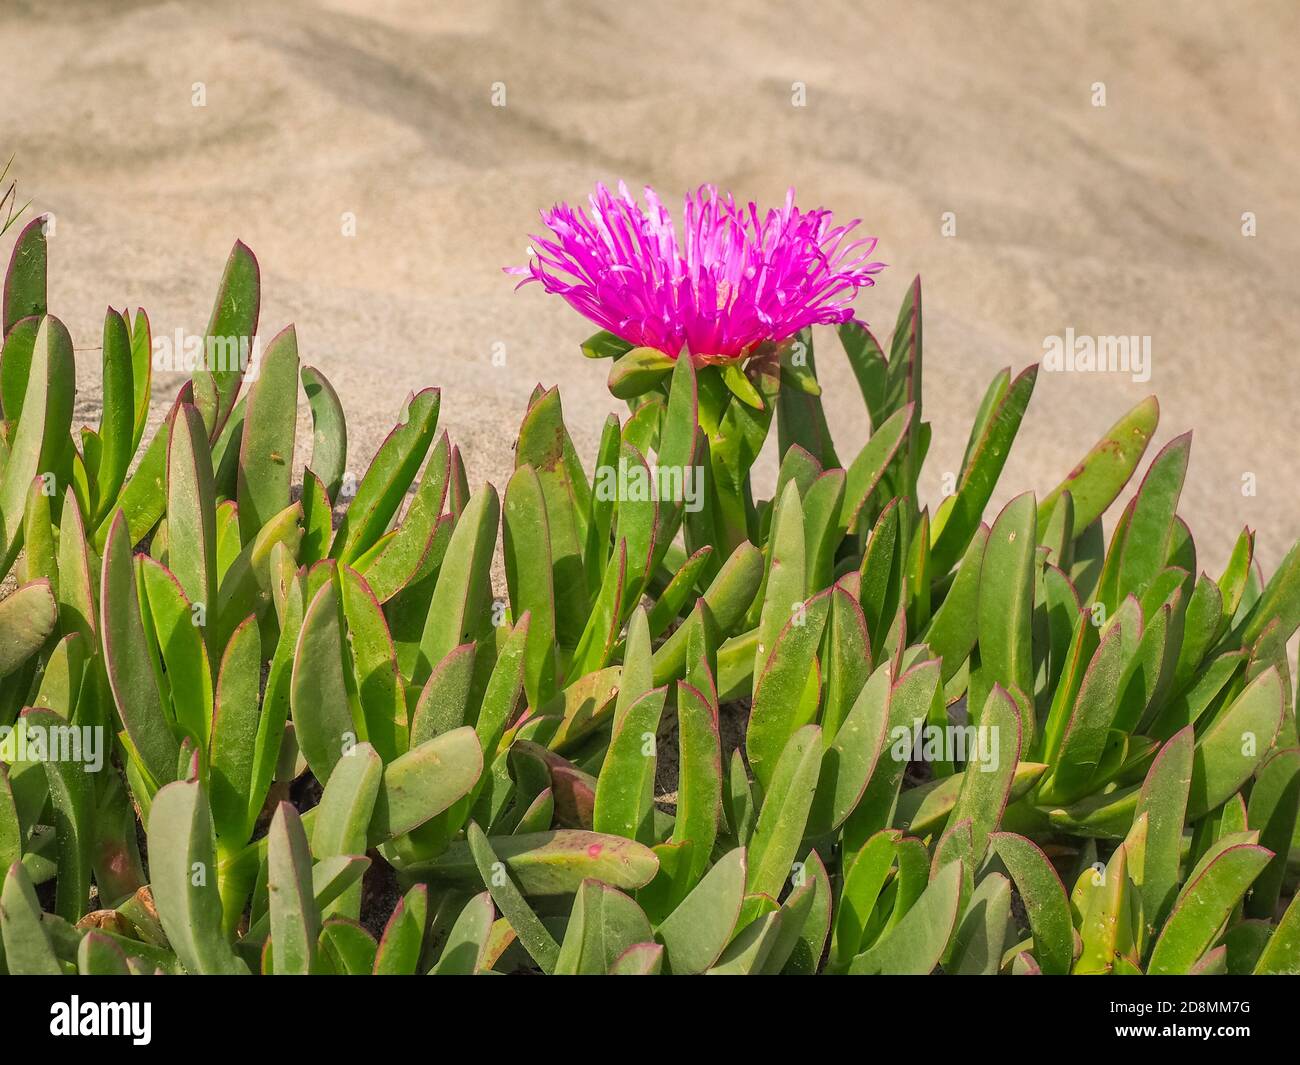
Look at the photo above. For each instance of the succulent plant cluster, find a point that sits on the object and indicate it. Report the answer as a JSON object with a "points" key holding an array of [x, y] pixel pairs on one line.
{"points": [[688, 735]]}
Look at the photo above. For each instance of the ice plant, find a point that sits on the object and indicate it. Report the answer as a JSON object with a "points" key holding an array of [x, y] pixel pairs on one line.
{"points": [[492, 757], [732, 293], [732, 281]]}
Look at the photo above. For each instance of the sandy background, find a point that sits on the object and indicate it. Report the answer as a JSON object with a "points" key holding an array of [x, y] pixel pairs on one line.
{"points": [[1111, 220]]}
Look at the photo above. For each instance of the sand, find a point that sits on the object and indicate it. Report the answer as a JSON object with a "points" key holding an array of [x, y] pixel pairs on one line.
{"points": [[1108, 220]]}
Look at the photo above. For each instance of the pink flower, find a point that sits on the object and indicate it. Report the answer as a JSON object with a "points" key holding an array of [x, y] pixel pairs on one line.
{"points": [[734, 281]]}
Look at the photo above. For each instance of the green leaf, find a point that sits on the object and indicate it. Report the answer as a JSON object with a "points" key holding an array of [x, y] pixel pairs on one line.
{"points": [[235, 715], [191, 515], [981, 936], [728, 596], [544, 444], [869, 365], [183, 876], [117, 415], [11, 826], [97, 955], [678, 458], [390, 474], [821, 504], [881, 576], [270, 425], [635, 521], [806, 956], [640, 959], [1272, 811], [425, 781], [128, 660], [276, 699], [1106, 908], [552, 863], [458, 609], [24, 289], [528, 927], [444, 703], [1164, 802], [1204, 905], [295, 921], [399, 947], [379, 685], [602, 925], [1085, 736], [465, 951], [865, 876], [349, 948], [698, 930], [320, 701], [180, 642], [605, 345], [990, 770], [909, 704], [865, 472], [733, 376], [1281, 957], [76, 591], [526, 545], [40, 442], [141, 376], [954, 628], [1150, 529], [904, 383], [246, 588], [787, 800], [748, 953], [416, 548], [846, 656], [1235, 743], [28, 617], [229, 335], [625, 788], [981, 470], [1279, 600], [342, 819], [637, 371], [785, 691], [27, 947], [800, 419], [329, 442], [504, 687], [1044, 899], [699, 782], [1237, 574], [1096, 482], [15, 366], [919, 940], [1006, 600], [72, 793], [851, 758], [596, 644]]}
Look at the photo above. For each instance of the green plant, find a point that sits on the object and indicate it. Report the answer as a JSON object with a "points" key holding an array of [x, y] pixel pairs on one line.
{"points": [[693, 731]]}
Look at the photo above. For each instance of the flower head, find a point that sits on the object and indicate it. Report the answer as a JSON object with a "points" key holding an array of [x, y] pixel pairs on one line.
{"points": [[733, 281]]}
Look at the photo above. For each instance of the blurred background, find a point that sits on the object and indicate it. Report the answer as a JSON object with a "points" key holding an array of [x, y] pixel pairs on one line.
{"points": [[157, 133]]}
